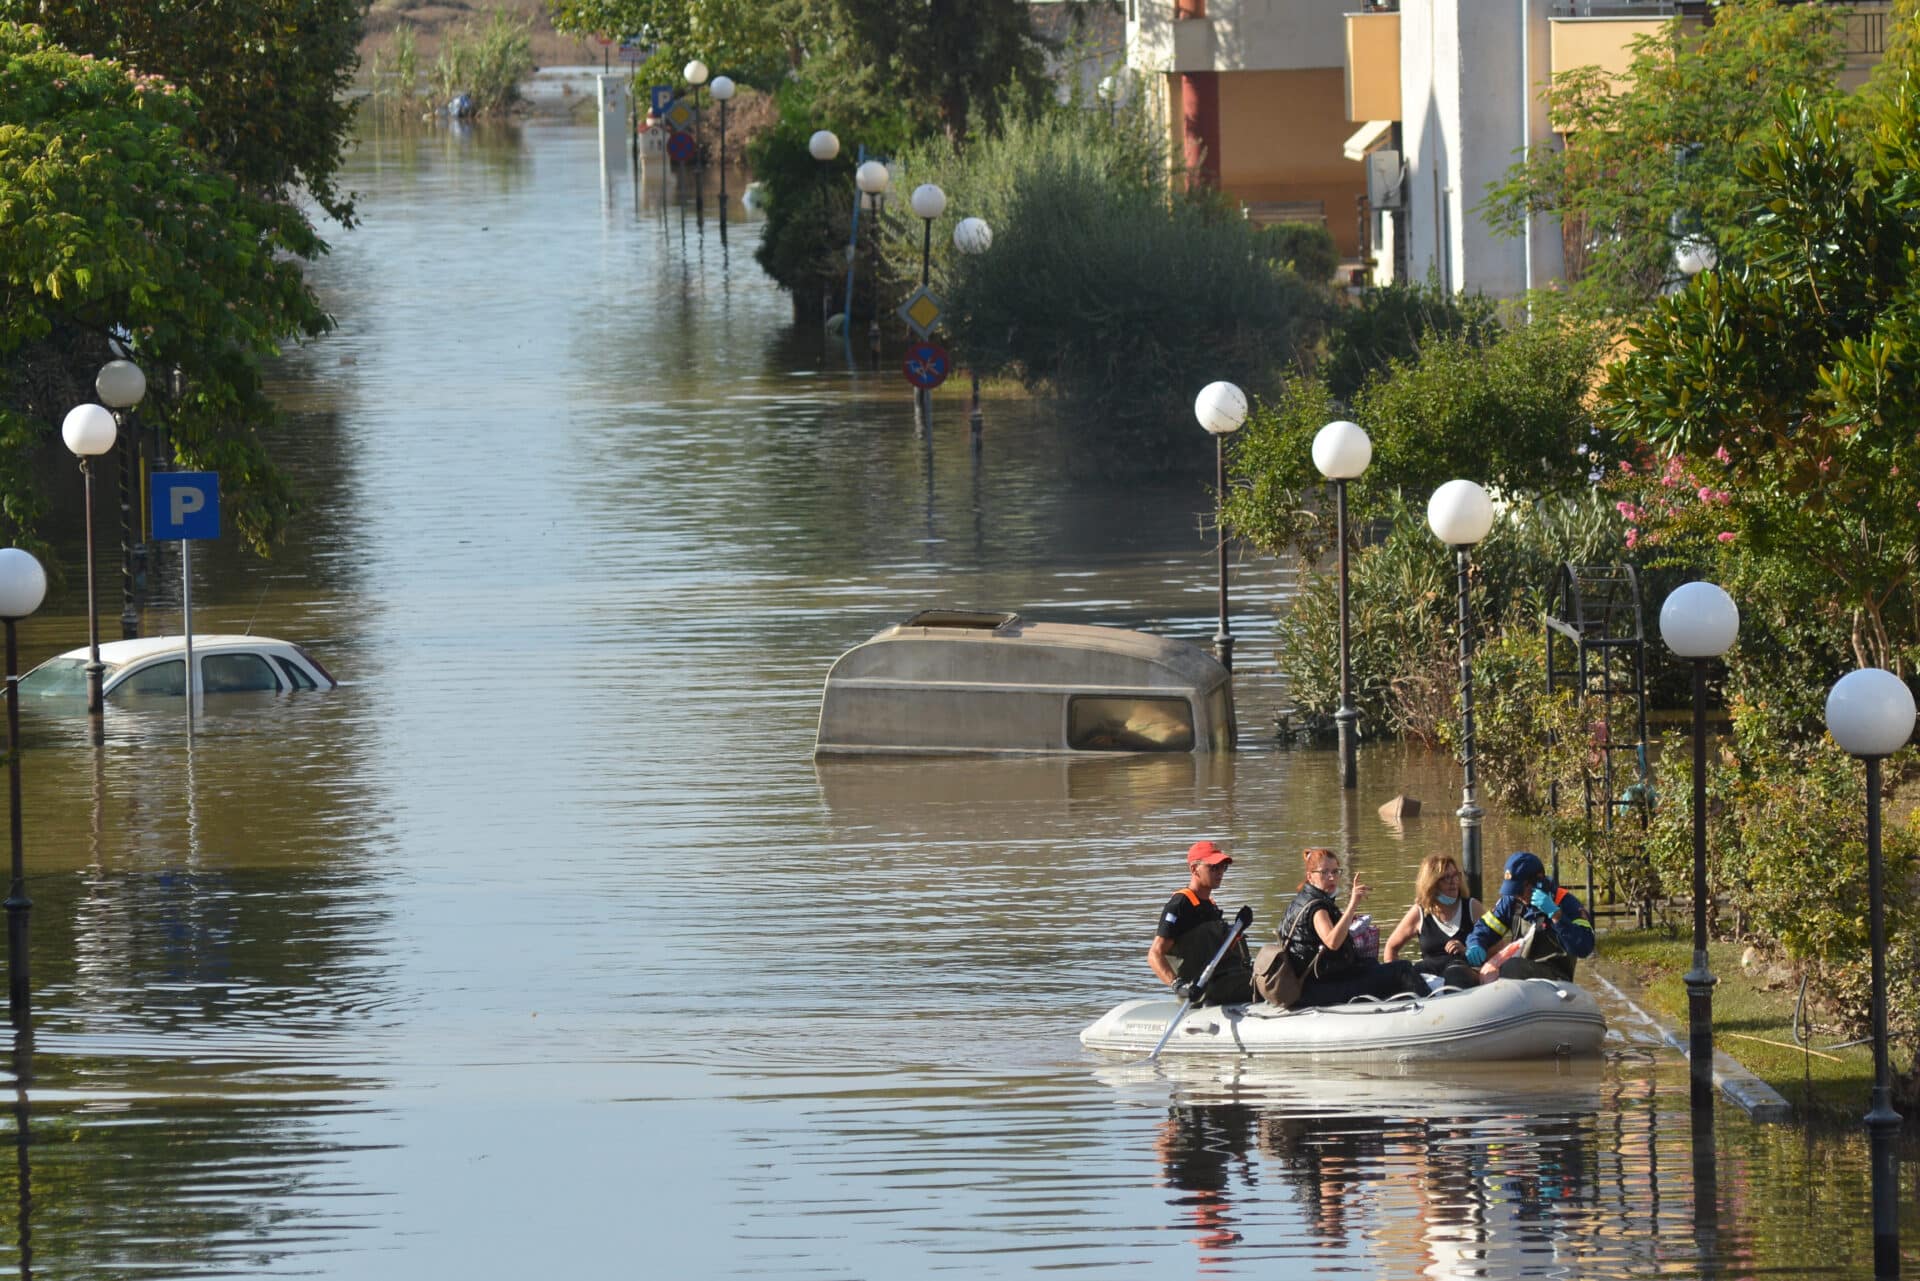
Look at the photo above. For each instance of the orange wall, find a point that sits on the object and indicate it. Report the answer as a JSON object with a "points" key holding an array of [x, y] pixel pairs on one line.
{"points": [[1280, 138]]}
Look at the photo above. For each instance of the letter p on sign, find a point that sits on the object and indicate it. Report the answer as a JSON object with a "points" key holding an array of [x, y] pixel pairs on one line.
{"points": [[186, 505]]}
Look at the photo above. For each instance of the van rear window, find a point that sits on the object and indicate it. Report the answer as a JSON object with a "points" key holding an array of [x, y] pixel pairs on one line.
{"points": [[1128, 724]]}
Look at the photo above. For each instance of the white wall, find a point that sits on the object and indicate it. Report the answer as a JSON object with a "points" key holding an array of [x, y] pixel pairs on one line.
{"points": [[1239, 35], [1461, 94]]}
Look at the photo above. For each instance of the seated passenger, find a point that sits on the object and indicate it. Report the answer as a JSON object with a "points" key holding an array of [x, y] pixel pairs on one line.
{"points": [[1191, 930], [1561, 932], [1439, 921], [1316, 933]]}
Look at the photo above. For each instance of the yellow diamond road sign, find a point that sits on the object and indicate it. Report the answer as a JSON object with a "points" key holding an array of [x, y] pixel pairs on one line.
{"points": [[921, 311], [680, 115]]}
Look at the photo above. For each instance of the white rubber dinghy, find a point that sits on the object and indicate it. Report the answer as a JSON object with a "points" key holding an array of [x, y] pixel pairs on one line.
{"points": [[1508, 1019]]}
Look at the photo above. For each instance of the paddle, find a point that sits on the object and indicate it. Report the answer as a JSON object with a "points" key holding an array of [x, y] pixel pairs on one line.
{"points": [[1241, 920]]}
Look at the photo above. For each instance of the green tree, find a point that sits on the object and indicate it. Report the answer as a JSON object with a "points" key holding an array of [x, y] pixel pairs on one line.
{"points": [[1507, 408], [1660, 158], [756, 42], [112, 222], [269, 78], [1784, 389]]}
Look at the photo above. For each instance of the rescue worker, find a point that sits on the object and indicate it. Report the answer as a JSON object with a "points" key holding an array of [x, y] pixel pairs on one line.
{"points": [[1191, 929], [1562, 933]]}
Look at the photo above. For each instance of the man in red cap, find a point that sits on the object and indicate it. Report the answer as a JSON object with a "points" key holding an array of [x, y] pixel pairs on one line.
{"points": [[1192, 927]]}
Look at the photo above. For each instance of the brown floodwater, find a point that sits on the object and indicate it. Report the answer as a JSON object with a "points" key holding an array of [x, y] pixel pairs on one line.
{"points": [[543, 944]]}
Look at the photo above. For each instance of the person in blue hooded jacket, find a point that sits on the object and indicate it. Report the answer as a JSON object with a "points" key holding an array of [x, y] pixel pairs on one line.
{"points": [[1562, 932]]}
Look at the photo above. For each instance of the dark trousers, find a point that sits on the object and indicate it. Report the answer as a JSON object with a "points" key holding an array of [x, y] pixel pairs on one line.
{"points": [[1452, 971], [1229, 987], [1393, 978], [1558, 966]]}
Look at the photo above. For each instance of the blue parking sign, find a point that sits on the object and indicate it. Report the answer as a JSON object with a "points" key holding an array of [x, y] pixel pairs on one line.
{"points": [[186, 504]]}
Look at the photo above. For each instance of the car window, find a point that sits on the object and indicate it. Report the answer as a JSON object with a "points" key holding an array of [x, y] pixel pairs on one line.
{"points": [[165, 678], [296, 675], [1121, 724], [56, 678], [237, 674]]}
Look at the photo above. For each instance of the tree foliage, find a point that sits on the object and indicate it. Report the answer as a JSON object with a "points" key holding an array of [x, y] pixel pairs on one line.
{"points": [[113, 223], [1785, 388], [1659, 158], [269, 78], [1505, 407]]}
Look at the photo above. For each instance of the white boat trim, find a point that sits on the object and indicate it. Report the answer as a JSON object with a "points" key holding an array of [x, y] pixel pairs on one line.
{"points": [[1534, 1018]]}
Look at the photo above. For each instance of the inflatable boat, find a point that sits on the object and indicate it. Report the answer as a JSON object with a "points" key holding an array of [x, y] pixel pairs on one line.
{"points": [[1508, 1019]]}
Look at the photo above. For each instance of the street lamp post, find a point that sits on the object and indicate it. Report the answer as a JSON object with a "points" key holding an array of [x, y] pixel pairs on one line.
{"points": [[23, 585], [89, 431], [1460, 514], [1699, 622], [928, 202], [973, 236], [696, 74], [722, 91], [1221, 408], [872, 178], [120, 385], [1342, 451], [1870, 714], [823, 146]]}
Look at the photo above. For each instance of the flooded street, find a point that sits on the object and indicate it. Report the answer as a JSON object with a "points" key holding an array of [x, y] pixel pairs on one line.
{"points": [[544, 945]]}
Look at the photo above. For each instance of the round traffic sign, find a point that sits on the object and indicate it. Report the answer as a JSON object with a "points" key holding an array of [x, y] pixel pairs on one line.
{"points": [[926, 365], [680, 146]]}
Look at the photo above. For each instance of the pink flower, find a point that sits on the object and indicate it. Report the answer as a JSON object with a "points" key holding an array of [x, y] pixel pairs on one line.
{"points": [[1722, 454], [1633, 537], [1626, 467], [1725, 535], [1706, 493]]}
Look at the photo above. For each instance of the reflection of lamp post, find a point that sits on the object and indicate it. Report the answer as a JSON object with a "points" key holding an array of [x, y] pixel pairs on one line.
{"points": [[872, 178], [120, 385], [1870, 714], [1221, 408], [927, 202], [23, 585], [973, 236], [1460, 514], [696, 74], [1342, 451], [1698, 622], [722, 91], [89, 431], [824, 146]]}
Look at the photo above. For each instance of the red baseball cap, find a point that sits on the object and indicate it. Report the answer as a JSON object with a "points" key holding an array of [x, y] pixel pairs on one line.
{"points": [[1207, 853]]}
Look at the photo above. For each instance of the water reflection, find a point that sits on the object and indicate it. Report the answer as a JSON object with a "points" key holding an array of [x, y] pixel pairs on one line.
{"points": [[547, 918]]}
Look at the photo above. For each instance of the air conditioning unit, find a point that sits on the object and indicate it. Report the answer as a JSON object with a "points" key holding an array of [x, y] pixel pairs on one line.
{"points": [[1385, 179]]}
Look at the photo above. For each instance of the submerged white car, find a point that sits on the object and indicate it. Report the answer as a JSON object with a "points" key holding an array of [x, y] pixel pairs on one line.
{"points": [[156, 666]]}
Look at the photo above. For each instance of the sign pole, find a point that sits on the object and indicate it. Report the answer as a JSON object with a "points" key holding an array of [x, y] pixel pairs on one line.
{"points": [[186, 618]]}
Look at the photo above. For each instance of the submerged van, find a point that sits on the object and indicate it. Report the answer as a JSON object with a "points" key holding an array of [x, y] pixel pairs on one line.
{"points": [[958, 681]]}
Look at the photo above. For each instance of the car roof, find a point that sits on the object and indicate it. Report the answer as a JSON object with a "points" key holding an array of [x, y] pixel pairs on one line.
{"points": [[120, 652]]}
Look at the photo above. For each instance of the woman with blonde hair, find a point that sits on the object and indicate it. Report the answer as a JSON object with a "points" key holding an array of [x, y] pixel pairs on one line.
{"points": [[1440, 919], [1318, 935]]}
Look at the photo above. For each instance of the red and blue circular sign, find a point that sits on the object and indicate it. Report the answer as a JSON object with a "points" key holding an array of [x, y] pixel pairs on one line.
{"points": [[926, 365], [680, 146]]}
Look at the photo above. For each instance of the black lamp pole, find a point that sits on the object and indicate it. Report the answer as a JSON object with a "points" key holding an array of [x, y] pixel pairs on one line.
{"points": [[1883, 1123], [18, 904], [1469, 812], [1700, 980], [1346, 718], [1223, 638], [96, 670]]}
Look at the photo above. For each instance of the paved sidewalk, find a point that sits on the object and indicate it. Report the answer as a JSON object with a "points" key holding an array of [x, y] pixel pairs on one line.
{"points": [[1760, 1101]]}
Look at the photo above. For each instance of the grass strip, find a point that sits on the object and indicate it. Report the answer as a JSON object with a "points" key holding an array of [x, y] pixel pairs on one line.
{"points": [[1752, 1020]]}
